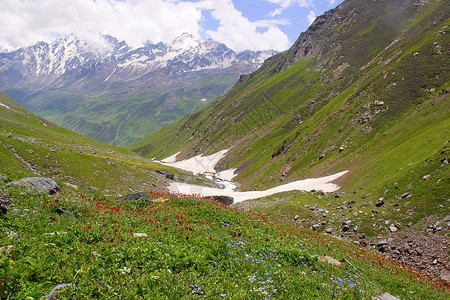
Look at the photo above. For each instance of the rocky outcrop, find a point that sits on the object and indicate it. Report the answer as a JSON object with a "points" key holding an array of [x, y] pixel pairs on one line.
{"points": [[37, 184], [225, 200], [134, 196]]}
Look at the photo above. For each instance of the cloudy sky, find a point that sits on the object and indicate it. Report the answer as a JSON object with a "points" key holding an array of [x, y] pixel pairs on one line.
{"points": [[240, 24]]}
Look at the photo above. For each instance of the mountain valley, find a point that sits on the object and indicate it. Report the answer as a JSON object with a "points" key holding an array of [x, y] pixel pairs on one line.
{"points": [[323, 173], [106, 90]]}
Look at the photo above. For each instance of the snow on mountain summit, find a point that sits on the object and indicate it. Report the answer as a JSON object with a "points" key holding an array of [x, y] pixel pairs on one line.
{"points": [[105, 55], [185, 41]]}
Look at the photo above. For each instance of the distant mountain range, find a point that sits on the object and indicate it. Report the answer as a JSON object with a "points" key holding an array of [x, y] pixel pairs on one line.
{"points": [[110, 92]]}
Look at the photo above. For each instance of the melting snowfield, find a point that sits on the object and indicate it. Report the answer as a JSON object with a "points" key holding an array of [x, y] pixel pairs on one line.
{"points": [[205, 165], [5, 106]]}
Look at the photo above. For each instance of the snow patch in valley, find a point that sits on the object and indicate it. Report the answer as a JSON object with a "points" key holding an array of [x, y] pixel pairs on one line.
{"points": [[323, 183], [171, 159], [227, 174], [198, 164], [206, 165], [5, 106]]}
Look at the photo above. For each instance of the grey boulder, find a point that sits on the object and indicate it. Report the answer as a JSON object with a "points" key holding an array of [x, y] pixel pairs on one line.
{"points": [[39, 184]]}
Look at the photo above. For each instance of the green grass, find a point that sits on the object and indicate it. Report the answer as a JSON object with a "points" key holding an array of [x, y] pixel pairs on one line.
{"points": [[193, 248], [32, 148]]}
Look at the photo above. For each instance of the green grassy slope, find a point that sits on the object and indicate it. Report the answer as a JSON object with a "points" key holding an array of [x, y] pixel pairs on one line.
{"points": [[370, 77], [32, 146]]}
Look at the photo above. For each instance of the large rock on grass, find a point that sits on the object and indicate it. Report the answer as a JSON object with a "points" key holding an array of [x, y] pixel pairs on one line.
{"points": [[134, 196], [225, 200], [385, 296], [39, 184]]}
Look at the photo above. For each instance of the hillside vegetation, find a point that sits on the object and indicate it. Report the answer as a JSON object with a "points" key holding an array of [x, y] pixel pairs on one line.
{"points": [[32, 146], [182, 248]]}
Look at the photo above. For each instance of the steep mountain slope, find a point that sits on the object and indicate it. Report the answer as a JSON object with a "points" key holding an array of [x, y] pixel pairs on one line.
{"points": [[104, 89], [32, 146], [365, 88]]}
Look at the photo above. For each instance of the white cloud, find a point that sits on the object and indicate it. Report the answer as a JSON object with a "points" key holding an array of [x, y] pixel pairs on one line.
{"points": [[25, 22], [283, 4], [238, 33], [311, 17]]}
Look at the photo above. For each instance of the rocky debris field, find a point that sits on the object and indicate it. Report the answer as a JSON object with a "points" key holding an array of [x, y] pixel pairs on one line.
{"points": [[387, 226]]}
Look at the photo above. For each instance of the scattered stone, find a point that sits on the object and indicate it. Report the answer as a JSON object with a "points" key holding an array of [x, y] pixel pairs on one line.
{"points": [[393, 228], [382, 243], [39, 184], [137, 235], [134, 196], [166, 173], [159, 200], [409, 186], [426, 177], [330, 260], [225, 200], [447, 218], [385, 296], [315, 227], [61, 211], [72, 186], [4, 203], [379, 202], [329, 230], [296, 217], [12, 234], [445, 276], [50, 296], [346, 228], [406, 195]]}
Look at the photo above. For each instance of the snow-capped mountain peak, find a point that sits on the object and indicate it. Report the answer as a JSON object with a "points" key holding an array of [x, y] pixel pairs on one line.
{"points": [[185, 42], [106, 56]]}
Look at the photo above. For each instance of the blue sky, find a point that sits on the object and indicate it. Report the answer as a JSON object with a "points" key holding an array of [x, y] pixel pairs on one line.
{"points": [[240, 24]]}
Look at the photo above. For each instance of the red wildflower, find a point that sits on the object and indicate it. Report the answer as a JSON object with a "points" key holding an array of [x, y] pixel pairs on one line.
{"points": [[103, 249], [187, 238], [89, 227], [81, 241]]}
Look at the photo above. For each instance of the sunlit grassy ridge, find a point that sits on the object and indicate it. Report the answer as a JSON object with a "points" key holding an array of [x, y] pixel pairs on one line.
{"points": [[192, 248], [36, 147]]}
